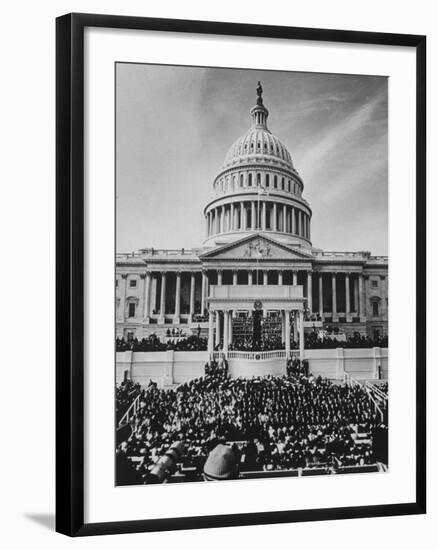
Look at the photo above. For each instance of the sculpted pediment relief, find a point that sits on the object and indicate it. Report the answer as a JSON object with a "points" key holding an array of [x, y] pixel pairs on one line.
{"points": [[256, 248]]}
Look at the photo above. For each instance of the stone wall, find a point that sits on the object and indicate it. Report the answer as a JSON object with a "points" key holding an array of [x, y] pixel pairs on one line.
{"points": [[175, 367]]}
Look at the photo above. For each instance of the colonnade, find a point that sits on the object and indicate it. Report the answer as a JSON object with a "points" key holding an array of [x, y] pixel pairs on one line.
{"points": [[313, 292], [263, 215]]}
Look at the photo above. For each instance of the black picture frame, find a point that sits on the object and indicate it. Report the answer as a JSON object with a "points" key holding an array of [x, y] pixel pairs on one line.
{"points": [[70, 273]]}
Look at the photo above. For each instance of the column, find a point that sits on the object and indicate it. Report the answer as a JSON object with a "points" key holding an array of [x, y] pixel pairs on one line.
{"points": [[321, 295], [225, 332], [139, 311], [301, 336], [230, 327], [383, 311], [217, 328], [295, 314], [293, 228], [231, 218], [334, 296], [219, 277], [287, 334], [192, 291], [217, 220], [362, 297], [242, 217], [275, 217], [265, 278], [284, 218], [264, 216], [146, 302], [202, 305], [253, 222], [294, 278], [310, 291], [177, 306], [250, 277], [347, 291], [210, 334], [162, 303], [122, 306], [235, 277], [356, 297], [218, 209], [299, 226], [207, 225], [280, 278]]}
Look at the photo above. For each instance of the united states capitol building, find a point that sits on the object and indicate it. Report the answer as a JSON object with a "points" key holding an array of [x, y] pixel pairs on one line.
{"points": [[257, 260]]}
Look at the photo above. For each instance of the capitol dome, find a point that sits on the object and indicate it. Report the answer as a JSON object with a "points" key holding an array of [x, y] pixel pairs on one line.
{"points": [[258, 189], [258, 144]]}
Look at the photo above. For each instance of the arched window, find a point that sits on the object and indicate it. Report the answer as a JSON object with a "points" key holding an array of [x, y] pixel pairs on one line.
{"points": [[258, 179], [267, 180], [282, 184], [275, 182], [241, 180], [250, 180]]}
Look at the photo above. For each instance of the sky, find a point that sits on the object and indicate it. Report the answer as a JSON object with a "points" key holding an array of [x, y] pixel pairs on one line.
{"points": [[175, 124]]}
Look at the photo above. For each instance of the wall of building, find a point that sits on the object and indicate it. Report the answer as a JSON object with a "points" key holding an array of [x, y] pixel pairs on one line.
{"points": [[176, 367]]}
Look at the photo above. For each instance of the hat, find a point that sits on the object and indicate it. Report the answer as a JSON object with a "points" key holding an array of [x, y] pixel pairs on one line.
{"points": [[220, 464]]}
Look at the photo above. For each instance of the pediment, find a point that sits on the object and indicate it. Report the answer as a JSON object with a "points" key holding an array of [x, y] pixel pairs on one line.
{"points": [[256, 247]]}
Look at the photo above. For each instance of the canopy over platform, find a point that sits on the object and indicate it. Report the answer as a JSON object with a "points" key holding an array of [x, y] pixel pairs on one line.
{"points": [[269, 297]]}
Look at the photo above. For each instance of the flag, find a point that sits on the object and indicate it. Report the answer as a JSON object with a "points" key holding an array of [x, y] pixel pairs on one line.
{"points": [[262, 190]]}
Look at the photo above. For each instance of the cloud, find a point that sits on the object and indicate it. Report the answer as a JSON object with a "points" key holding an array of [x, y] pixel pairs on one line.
{"points": [[335, 140]]}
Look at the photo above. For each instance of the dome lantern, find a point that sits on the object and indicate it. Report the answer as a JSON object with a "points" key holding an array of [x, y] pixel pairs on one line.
{"points": [[259, 113]]}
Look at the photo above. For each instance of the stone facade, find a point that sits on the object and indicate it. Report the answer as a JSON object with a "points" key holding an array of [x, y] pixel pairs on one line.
{"points": [[257, 232]]}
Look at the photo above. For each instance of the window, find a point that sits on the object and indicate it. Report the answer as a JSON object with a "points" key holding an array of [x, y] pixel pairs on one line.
{"points": [[375, 309], [275, 182], [133, 283], [116, 282], [250, 180], [130, 336], [283, 184], [131, 310], [374, 283], [267, 180]]}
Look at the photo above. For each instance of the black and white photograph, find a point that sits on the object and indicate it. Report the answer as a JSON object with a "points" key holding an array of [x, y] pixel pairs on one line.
{"points": [[251, 274]]}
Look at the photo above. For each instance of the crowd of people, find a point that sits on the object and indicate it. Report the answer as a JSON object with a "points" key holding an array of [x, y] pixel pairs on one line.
{"points": [[125, 394], [356, 340], [270, 423], [153, 343], [195, 342]]}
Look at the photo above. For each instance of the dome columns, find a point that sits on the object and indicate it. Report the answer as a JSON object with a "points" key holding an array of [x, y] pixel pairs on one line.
{"points": [[258, 214]]}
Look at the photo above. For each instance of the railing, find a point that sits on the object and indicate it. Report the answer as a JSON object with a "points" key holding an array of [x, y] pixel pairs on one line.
{"points": [[131, 412], [377, 392], [155, 252], [374, 402], [256, 355]]}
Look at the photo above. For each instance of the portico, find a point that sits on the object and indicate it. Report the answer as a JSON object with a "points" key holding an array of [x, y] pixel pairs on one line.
{"points": [[223, 300]]}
